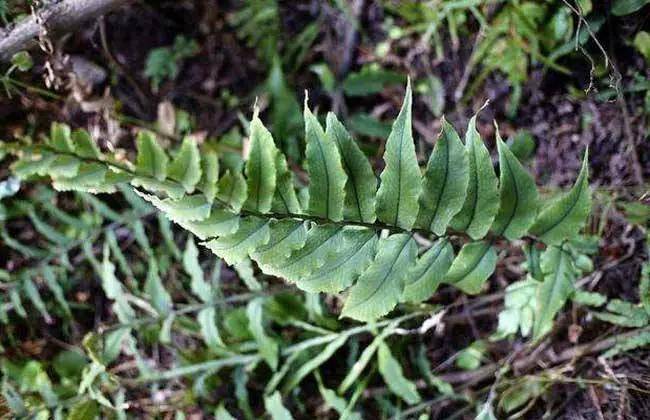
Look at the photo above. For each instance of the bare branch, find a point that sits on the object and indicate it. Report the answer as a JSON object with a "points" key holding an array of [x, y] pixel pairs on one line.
{"points": [[62, 16]]}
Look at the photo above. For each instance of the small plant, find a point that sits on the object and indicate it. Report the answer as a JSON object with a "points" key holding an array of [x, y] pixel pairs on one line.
{"points": [[530, 304], [20, 61], [514, 38], [347, 229], [258, 24], [163, 62]]}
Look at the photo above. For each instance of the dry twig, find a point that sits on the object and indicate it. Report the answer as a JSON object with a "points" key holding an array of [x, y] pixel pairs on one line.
{"points": [[63, 16]]}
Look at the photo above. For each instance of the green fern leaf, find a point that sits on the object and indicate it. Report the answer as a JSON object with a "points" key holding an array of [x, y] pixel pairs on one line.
{"points": [[640, 340], [232, 190], [268, 347], [559, 276], [153, 286], [186, 166], [56, 289], [343, 265], [321, 240], [260, 168], [187, 209], [482, 200], [84, 409], [393, 375], [312, 364], [397, 197], [46, 229], [564, 217], [151, 159], [84, 146], [63, 166], [172, 189], [378, 289], [27, 167], [91, 177], [285, 200], [327, 177], [459, 188], [445, 182], [220, 223], [519, 308], [623, 313], [223, 414], [361, 187], [273, 405], [60, 138], [286, 236], [198, 285], [357, 368], [428, 272], [31, 291], [518, 196], [114, 289], [253, 232], [17, 303], [207, 319], [473, 265], [244, 270], [88, 174], [209, 174]]}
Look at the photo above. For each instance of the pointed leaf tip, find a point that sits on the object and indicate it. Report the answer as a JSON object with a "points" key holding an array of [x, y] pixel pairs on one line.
{"points": [[565, 216], [400, 188], [518, 198]]}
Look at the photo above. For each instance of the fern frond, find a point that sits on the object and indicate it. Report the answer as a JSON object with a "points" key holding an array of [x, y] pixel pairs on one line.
{"points": [[335, 243]]}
